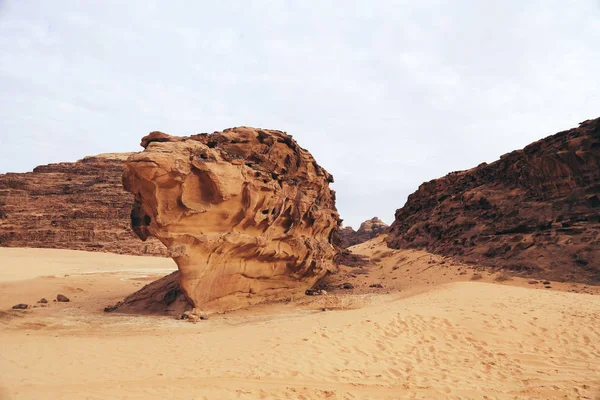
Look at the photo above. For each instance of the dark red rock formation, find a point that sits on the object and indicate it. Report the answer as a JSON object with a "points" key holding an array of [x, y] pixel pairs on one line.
{"points": [[76, 205], [534, 211], [367, 231]]}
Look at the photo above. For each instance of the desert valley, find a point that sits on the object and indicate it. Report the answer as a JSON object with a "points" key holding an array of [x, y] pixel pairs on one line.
{"points": [[216, 266]]}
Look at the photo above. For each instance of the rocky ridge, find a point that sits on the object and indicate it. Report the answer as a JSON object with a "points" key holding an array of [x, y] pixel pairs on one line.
{"points": [[535, 211], [72, 205]]}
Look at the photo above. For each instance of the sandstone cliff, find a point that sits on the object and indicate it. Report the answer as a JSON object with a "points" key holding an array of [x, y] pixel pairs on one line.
{"points": [[73, 205], [367, 231], [246, 214], [534, 211]]}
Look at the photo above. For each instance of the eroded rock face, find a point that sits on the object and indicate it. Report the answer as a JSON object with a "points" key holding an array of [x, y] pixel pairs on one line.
{"points": [[367, 231], [246, 214], [163, 296], [72, 205], [534, 211]]}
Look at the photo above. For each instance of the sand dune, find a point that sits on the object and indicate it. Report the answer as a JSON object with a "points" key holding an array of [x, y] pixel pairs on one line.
{"points": [[455, 340]]}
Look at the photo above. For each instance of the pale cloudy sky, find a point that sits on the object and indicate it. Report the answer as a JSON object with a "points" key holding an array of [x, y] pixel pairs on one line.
{"points": [[385, 94]]}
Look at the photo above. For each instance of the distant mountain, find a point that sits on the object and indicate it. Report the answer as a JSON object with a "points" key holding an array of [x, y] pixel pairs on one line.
{"points": [[367, 231]]}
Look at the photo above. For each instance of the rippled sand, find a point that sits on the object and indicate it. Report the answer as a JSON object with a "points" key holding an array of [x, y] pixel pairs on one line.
{"points": [[456, 340]]}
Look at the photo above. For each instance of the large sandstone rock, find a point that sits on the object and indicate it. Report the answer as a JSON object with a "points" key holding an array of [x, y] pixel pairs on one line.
{"points": [[534, 211], [367, 231], [246, 214], [72, 205]]}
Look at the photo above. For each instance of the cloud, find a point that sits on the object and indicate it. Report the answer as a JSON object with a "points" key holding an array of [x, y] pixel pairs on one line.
{"points": [[386, 94]]}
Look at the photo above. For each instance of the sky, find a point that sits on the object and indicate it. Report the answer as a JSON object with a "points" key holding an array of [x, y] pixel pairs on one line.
{"points": [[385, 94]]}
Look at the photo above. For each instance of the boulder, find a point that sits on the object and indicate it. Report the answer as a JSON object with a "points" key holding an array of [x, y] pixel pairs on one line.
{"points": [[62, 298], [247, 214]]}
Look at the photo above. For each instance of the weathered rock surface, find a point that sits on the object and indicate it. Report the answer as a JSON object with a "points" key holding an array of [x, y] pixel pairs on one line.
{"points": [[534, 211], [163, 296], [246, 214], [77, 205], [367, 231]]}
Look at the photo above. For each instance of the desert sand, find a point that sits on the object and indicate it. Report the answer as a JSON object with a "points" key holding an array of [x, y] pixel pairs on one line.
{"points": [[430, 332]]}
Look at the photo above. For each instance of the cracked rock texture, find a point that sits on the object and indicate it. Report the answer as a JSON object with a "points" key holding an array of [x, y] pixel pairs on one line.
{"points": [[247, 214], [536, 211]]}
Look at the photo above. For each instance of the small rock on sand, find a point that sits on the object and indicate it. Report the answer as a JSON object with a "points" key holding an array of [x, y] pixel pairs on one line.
{"points": [[62, 298], [315, 292], [43, 301], [113, 307], [347, 286], [532, 282], [192, 316], [20, 306]]}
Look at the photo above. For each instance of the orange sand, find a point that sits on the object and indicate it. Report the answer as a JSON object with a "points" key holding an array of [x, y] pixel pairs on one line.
{"points": [[449, 338]]}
